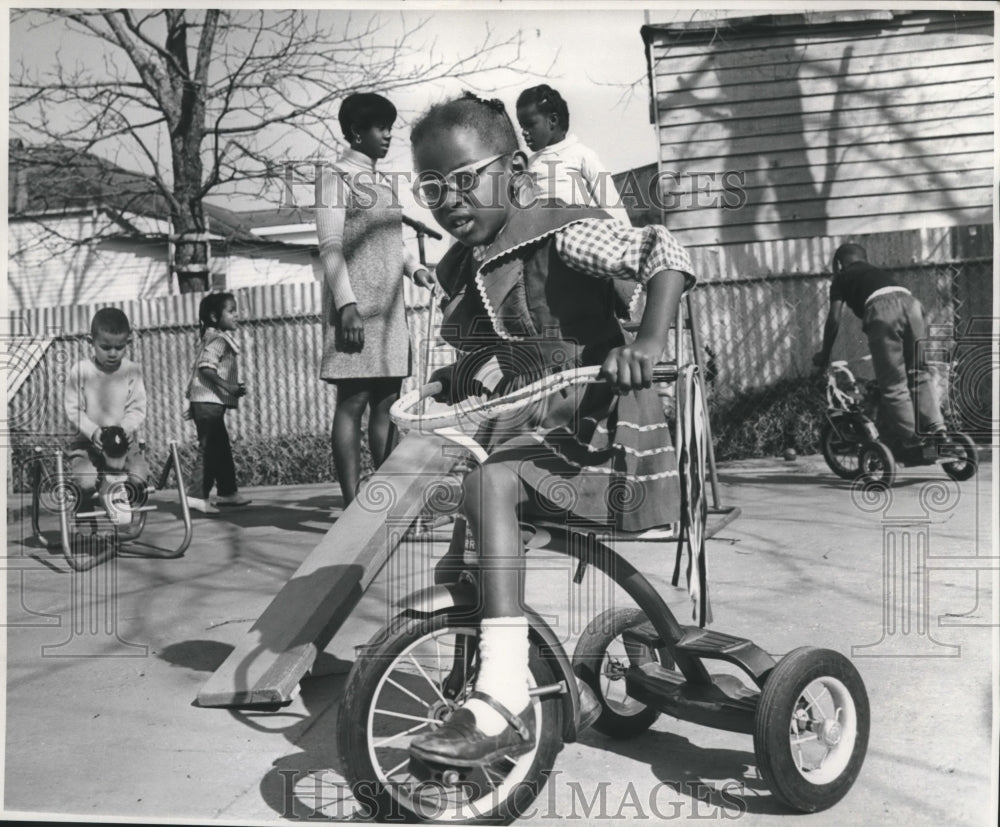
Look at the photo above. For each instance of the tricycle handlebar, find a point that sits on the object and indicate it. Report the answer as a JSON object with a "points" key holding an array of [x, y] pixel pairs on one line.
{"points": [[480, 408]]}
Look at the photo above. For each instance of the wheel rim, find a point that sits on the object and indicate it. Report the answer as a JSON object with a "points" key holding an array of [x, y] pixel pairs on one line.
{"points": [[872, 463], [407, 702], [612, 681], [822, 730], [842, 452]]}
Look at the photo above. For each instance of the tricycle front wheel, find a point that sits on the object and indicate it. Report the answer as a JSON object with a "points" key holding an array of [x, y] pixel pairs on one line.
{"points": [[409, 680], [840, 453], [811, 728]]}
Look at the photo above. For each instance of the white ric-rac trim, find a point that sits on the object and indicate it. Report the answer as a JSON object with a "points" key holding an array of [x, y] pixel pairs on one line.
{"points": [[603, 429], [628, 449], [602, 470]]}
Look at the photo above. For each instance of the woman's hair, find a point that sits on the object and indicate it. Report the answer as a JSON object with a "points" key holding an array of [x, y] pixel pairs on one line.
{"points": [[210, 310], [364, 109], [547, 101], [487, 119]]}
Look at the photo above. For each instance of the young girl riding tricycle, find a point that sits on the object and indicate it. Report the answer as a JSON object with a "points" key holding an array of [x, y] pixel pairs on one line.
{"points": [[457, 710]]}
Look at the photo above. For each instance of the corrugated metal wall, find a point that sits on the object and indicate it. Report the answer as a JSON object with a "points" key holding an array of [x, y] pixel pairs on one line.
{"points": [[855, 127]]}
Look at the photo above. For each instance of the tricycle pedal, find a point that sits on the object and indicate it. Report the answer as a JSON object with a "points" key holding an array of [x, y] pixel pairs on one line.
{"points": [[473, 781]]}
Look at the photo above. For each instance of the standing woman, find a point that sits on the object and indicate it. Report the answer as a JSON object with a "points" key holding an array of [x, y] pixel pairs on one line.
{"points": [[366, 343]]}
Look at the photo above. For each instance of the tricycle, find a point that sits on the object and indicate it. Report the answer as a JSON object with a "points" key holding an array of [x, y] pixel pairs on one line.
{"points": [[853, 448], [808, 713]]}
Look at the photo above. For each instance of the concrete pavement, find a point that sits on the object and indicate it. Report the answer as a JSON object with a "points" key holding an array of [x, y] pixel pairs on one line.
{"points": [[102, 669]]}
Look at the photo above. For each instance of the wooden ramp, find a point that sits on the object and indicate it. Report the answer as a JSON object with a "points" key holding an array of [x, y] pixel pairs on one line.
{"points": [[305, 615]]}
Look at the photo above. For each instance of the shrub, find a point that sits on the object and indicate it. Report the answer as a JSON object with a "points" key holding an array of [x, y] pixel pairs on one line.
{"points": [[763, 422], [296, 459]]}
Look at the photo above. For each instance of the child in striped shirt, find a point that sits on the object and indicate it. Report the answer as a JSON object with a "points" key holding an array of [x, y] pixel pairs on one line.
{"points": [[215, 387]]}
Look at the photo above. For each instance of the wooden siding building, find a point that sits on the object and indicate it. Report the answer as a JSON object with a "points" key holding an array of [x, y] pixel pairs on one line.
{"points": [[832, 124]]}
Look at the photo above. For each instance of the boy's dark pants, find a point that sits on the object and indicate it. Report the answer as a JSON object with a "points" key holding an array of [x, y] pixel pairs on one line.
{"points": [[896, 330], [214, 464]]}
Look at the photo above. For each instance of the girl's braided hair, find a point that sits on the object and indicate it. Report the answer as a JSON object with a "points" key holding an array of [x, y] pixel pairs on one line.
{"points": [[210, 310], [547, 101], [487, 118]]}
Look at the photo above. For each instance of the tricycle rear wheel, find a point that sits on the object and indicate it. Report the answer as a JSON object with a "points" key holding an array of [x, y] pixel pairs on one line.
{"points": [[876, 464], [601, 658], [964, 467], [811, 728]]}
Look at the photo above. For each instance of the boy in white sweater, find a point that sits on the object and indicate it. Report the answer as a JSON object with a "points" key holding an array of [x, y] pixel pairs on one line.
{"points": [[106, 404]]}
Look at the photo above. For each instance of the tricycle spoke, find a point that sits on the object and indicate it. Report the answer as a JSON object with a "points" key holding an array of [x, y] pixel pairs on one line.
{"points": [[404, 763], [406, 691], [423, 674], [384, 742], [403, 716], [813, 702]]}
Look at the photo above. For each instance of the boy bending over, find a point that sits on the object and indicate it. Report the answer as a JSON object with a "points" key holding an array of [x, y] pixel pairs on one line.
{"points": [[106, 404]]}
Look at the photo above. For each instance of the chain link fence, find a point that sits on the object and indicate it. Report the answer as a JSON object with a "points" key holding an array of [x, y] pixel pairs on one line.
{"points": [[758, 335], [281, 430]]}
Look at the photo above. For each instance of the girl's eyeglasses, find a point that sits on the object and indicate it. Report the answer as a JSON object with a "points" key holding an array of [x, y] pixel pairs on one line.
{"points": [[431, 187]]}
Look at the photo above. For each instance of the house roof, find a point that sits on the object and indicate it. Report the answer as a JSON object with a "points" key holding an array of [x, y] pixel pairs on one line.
{"points": [[710, 25], [46, 180]]}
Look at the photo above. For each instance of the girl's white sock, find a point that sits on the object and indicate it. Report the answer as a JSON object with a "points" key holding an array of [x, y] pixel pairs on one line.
{"points": [[503, 671]]}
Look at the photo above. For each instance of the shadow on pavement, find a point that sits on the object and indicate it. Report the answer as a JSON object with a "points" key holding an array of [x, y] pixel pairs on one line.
{"points": [[720, 782], [307, 784]]}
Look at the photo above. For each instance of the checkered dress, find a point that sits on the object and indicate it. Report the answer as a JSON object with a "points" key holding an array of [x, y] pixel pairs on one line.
{"points": [[587, 452]]}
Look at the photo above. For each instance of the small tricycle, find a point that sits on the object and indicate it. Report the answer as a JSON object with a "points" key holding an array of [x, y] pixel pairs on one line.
{"points": [[852, 447], [808, 713], [97, 525]]}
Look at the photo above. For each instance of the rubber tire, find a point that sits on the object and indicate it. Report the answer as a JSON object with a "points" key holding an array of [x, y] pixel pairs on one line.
{"points": [[884, 456], [352, 723], [588, 663], [782, 689], [826, 439], [962, 469]]}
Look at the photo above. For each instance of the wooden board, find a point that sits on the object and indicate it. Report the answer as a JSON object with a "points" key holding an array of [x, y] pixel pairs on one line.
{"points": [[305, 615]]}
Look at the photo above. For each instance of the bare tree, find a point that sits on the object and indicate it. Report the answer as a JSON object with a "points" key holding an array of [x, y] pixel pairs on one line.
{"points": [[208, 99]]}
